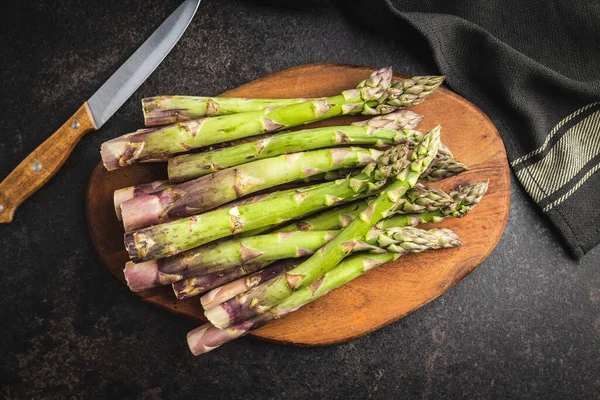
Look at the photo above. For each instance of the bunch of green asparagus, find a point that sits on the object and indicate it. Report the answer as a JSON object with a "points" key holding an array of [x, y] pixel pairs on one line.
{"points": [[263, 226]]}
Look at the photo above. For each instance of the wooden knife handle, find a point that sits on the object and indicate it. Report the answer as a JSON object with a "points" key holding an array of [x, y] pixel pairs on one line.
{"points": [[41, 165]]}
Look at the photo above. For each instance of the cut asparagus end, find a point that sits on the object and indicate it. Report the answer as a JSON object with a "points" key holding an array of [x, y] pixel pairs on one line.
{"points": [[207, 337], [183, 288], [130, 192], [120, 196], [141, 276], [112, 153], [208, 300], [156, 115], [140, 211], [222, 293], [129, 149], [218, 316]]}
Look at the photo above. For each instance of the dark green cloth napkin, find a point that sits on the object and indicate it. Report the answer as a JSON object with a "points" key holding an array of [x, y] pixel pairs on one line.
{"points": [[534, 68]]}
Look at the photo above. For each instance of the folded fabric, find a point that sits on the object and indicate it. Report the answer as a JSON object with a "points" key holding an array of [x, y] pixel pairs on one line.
{"points": [[534, 68]]}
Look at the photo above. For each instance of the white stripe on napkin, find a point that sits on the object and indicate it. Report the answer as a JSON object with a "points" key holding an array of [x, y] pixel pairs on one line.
{"points": [[565, 159], [553, 132], [573, 189]]}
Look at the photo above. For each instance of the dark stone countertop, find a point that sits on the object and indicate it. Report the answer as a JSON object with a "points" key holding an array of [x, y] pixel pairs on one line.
{"points": [[526, 323]]}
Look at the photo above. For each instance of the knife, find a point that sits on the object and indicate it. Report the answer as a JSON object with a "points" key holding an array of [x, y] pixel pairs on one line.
{"points": [[41, 165]]}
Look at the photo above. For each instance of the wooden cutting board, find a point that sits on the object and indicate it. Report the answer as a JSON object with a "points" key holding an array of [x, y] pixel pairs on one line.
{"points": [[384, 294]]}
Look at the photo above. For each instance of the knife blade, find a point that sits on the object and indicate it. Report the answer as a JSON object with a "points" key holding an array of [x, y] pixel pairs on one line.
{"points": [[43, 163]]}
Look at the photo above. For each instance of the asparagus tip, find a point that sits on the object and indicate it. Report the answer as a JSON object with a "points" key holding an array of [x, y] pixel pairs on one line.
{"points": [[412, 91], [402, 119], [376, 85], [446, 237], [469, 196]]}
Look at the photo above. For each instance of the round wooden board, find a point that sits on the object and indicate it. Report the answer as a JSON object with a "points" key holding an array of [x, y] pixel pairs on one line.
{"points": [[386, 293]]}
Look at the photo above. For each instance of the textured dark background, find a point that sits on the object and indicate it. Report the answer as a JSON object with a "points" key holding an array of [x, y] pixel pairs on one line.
{"points": [[526, 323]]}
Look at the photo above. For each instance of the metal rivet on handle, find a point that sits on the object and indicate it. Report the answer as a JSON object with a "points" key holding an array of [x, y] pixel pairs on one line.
{"points": [[37, 167], [75, 125], [1, 208]]}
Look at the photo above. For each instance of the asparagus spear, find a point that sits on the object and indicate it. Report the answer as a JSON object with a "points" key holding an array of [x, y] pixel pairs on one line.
{"points": [[261, 248], [231, 253], [375, 241], [408, 240], [130, 192], [381, 130], [189, 166], [208, 192], [420, 198], [156, 143], [224, 255], [162, 110], [223, 280], [173, 237], [122, 195], [409, 92], [200, 284], [443, 167], [234, 287], [464, 199], [266, 295]]}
